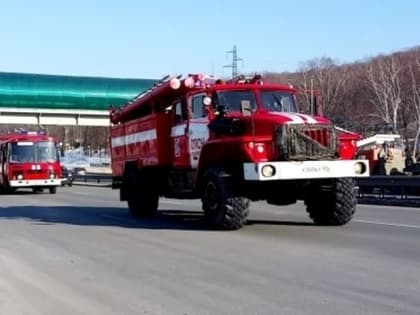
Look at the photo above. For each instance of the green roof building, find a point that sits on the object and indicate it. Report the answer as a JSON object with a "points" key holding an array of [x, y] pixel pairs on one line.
{"points": [[63, 100]]}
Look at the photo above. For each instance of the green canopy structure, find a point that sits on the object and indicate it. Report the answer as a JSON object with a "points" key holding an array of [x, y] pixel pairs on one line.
{"points": [[58, 92]]}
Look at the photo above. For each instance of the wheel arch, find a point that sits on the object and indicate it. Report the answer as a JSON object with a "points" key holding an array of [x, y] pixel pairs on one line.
{"points": [[214, 155]]}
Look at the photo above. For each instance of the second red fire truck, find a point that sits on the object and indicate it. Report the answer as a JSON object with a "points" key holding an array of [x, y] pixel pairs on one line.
{"points": [[29, 160], [229, 143]]}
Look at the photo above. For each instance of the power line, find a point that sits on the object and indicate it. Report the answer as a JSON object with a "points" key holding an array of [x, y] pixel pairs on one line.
{"points": [[234, 64]]}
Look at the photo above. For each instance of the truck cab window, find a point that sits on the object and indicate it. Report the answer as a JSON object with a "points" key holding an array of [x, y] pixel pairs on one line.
{"points": [[180, 111], [278, 101], [197, 110], [233, 100]]}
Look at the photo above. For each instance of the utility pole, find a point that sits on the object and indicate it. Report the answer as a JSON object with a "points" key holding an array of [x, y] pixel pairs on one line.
{"points": [[234, 64]]}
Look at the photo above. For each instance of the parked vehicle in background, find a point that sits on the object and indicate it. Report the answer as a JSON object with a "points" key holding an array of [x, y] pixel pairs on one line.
{"points": [[229, 143], [29, 160], [369, 148], [67, 174]]}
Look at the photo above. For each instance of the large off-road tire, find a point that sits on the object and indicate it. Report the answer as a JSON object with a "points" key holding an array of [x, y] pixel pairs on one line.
{"points": [[333, 202], [222, 208], [142, 198]]}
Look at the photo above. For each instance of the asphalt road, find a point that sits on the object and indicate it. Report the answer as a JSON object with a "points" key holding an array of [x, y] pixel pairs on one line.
{"points": [[78, 252]]}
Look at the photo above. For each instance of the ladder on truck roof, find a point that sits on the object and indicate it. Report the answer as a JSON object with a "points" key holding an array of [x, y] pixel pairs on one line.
{"points": [[194, 80], [162, 81]]}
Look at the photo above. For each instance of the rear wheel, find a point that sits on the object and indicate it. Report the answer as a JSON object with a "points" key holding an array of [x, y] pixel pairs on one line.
{"points": [[142, 198], [222, 208], [333, 202]]}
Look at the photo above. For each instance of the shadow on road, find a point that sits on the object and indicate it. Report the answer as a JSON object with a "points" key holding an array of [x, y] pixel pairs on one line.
{"points": [[166, 219], [285, 223], [104, 216]]}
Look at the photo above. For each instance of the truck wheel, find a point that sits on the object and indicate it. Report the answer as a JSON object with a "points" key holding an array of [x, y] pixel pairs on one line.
{"points": [[332, 203], [53, 190], [142, 199], [222, 209]]}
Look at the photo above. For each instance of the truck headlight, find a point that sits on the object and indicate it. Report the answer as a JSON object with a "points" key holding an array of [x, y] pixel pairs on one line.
{"points": [[19, 177], [359, 168], [268, 170], [52, 175]]}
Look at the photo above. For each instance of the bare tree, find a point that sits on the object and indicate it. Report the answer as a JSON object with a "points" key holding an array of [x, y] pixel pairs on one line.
{"points": [[281, 78], [383, 79], [415, 98], [324, 75]]}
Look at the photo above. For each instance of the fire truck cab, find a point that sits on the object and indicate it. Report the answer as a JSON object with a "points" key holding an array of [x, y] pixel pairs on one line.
{"points": [[29, 160], [228, 143]]}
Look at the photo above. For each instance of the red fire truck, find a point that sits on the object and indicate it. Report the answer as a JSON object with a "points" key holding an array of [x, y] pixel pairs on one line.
{"points": [[29, 160], [228, 143]]}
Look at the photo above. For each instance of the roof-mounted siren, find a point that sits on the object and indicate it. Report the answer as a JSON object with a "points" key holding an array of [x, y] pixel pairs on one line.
{"points": [[189, 82], [175, 83], [257, 79], [24, 131], [165, 79], [198, 80], [244, 79]]}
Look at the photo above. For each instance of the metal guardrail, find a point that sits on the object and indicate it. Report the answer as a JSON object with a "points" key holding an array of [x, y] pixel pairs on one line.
{"points": [[91, 178], [403, 186]]}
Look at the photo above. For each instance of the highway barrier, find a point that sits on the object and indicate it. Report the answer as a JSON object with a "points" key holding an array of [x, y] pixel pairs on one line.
{"points": [[403, 187], [92, 179]]}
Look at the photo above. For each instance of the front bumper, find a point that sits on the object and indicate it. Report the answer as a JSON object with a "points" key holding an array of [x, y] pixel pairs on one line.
{"points": [[306, 170], [36, 182]]}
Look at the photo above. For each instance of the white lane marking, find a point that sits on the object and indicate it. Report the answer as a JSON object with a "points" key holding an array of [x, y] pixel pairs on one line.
{"points": [[389, 224], [388, 207]]}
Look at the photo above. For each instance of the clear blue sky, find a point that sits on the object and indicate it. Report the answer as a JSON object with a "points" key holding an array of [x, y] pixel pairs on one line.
{"points": [[148, 39]]}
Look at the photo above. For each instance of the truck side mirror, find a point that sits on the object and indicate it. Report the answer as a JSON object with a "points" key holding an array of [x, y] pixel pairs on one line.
{"points": [[206, 101]]}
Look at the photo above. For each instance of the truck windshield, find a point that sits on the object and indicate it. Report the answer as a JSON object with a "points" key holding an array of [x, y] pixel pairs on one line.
{"points": [[278, 101], [236, 101], [33, 152]]}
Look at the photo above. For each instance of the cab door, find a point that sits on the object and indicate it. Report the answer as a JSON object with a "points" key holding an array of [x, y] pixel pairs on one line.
{"points": [[198, 131], [179, 134], [3, 161]]}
